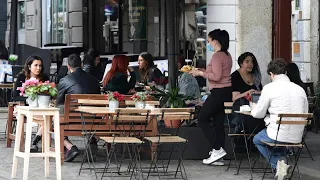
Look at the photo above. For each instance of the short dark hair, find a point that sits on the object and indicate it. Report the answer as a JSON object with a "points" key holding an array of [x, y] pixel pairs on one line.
{"points": [[277, 66], [74, 61]]}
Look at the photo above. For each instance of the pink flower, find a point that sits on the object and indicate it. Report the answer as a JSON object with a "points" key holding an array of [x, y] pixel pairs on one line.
{"points": [[46, 82]]}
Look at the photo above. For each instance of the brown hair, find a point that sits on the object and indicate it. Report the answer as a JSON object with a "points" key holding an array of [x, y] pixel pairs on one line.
{"points": [[26, 69]]}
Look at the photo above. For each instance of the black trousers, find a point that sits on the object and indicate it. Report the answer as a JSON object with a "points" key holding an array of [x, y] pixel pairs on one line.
{"points": [[212, 115]]}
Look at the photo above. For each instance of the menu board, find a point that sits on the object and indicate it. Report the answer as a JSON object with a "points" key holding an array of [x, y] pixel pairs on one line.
{"points": [[137, 20]]}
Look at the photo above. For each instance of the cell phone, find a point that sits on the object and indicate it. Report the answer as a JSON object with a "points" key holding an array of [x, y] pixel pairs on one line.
{"points": [[255, 97]]}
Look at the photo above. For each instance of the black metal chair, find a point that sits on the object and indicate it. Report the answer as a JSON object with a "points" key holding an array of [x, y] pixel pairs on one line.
{"points": [[58, 75], [299, 146]]}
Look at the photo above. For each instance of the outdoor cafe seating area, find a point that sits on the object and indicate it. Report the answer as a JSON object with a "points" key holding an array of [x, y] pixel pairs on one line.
{"points": [[140, 141]]}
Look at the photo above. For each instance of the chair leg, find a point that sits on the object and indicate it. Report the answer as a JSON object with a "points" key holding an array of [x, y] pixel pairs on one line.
{"points": [[233, 146], [108, 162], [296, 163], [180, 163], [9, 126], [154, 160], [305, 144]]}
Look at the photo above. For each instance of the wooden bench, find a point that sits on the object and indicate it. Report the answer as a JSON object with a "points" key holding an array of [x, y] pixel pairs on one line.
{"points": [[71, 123]]}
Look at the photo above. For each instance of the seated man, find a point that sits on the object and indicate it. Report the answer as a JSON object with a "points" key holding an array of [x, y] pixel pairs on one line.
{"points": [[279, 96], [77, 82]]}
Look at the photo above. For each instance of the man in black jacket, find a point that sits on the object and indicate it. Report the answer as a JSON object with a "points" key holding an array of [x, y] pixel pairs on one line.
{"points": [[77, 82]]}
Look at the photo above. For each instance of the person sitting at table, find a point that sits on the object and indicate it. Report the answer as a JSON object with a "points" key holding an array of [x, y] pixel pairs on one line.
{"points": [[77, 82], [91, 64], [279, 96], [187, 84], [212, 114], [117, 77], [148, 71], [293, 74], [246, 80], [33, 68]]}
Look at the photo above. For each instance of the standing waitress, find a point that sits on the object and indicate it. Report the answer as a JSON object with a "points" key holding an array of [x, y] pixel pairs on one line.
{"points": [[218, 74]]}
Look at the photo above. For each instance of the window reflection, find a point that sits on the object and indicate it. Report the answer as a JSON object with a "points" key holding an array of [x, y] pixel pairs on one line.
{"points": [[21, 15], [56, 21]]}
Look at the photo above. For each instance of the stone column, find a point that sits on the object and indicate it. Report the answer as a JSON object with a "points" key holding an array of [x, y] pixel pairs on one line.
{"points": [[75, 22], [222, 15]]}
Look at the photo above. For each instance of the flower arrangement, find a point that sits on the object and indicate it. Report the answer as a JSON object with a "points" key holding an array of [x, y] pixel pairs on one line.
{"points": [[114, 96], [139, 96], [33, 87], [13, 57]]}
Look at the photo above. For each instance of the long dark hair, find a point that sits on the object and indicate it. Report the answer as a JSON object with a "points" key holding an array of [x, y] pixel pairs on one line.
{"points": [[90, 57], [150, 64], [255, 70], [222, 36], [294, 74], [26, 69]]}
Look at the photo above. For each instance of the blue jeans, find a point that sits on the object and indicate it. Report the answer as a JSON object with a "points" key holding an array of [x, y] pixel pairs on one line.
{"points": [[266, 150]]}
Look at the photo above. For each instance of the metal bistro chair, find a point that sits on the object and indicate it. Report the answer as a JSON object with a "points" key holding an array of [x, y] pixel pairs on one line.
{"points": [[89, 121], [127, 118], [235, 137], [299, 146], [158, 142]]}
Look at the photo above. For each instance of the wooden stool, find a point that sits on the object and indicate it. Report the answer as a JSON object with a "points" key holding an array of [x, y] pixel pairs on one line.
{"points": [[29, 113]]}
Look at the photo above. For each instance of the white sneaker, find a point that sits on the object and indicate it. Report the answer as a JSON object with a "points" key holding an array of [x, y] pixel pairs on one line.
{"points": [[219, 162], [215, 155], [282, 170]]}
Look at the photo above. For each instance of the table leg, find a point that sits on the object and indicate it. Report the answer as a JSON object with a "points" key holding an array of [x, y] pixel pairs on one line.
{"points": [[19, 131], [57, 144], [46, 139], [27, 146]]}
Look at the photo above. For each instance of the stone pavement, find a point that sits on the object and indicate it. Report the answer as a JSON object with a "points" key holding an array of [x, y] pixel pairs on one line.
{"points": [[309, 169]]}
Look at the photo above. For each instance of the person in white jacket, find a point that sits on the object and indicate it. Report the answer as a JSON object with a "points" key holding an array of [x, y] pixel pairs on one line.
{"points": [[279, 96]]}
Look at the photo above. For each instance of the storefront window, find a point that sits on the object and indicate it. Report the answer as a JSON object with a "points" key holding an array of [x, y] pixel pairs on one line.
{"points": [[55, 24], [21, 15]]}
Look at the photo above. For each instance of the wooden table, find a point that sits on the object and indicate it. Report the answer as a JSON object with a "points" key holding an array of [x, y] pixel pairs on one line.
{"points": [[30, 112]]}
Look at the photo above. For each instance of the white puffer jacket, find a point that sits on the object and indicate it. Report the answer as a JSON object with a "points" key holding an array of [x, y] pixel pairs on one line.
{"points": [[281, 96]]}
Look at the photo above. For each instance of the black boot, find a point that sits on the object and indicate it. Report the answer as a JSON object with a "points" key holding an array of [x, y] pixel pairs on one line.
{"points": [[34, 147]]}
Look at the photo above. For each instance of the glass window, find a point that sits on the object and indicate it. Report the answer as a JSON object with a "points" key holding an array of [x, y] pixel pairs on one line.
{"points": [[21, 15], [56, 23]]}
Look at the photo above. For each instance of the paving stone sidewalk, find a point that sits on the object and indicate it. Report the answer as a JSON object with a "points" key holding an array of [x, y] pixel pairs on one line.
{"points": [[309, 169]]}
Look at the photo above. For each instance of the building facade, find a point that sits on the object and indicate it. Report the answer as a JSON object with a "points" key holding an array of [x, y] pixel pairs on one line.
{"points": [[252, 26]]}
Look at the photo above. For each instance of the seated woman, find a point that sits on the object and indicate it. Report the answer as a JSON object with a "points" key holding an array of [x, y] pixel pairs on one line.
{"points": [[187, 84], [117, 77], [294, 75], [148, 71], [91, 64], [32, 68], [246, 80]]}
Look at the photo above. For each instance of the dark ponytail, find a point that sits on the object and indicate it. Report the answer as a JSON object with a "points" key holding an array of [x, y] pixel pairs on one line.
{"points": [[222, 36]]}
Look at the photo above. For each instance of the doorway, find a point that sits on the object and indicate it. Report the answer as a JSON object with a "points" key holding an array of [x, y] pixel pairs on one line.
{"points": [[281, 42], [102, 25]]}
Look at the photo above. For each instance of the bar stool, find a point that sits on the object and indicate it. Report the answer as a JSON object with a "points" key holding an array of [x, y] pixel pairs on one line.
{"points": [[29, 112]]}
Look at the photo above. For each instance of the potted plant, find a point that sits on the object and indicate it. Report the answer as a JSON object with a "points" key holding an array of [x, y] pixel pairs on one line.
{"points": [[46, 90], [38, 93], [13, 58], [140, 99], [114, 98], [171, 98]]}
